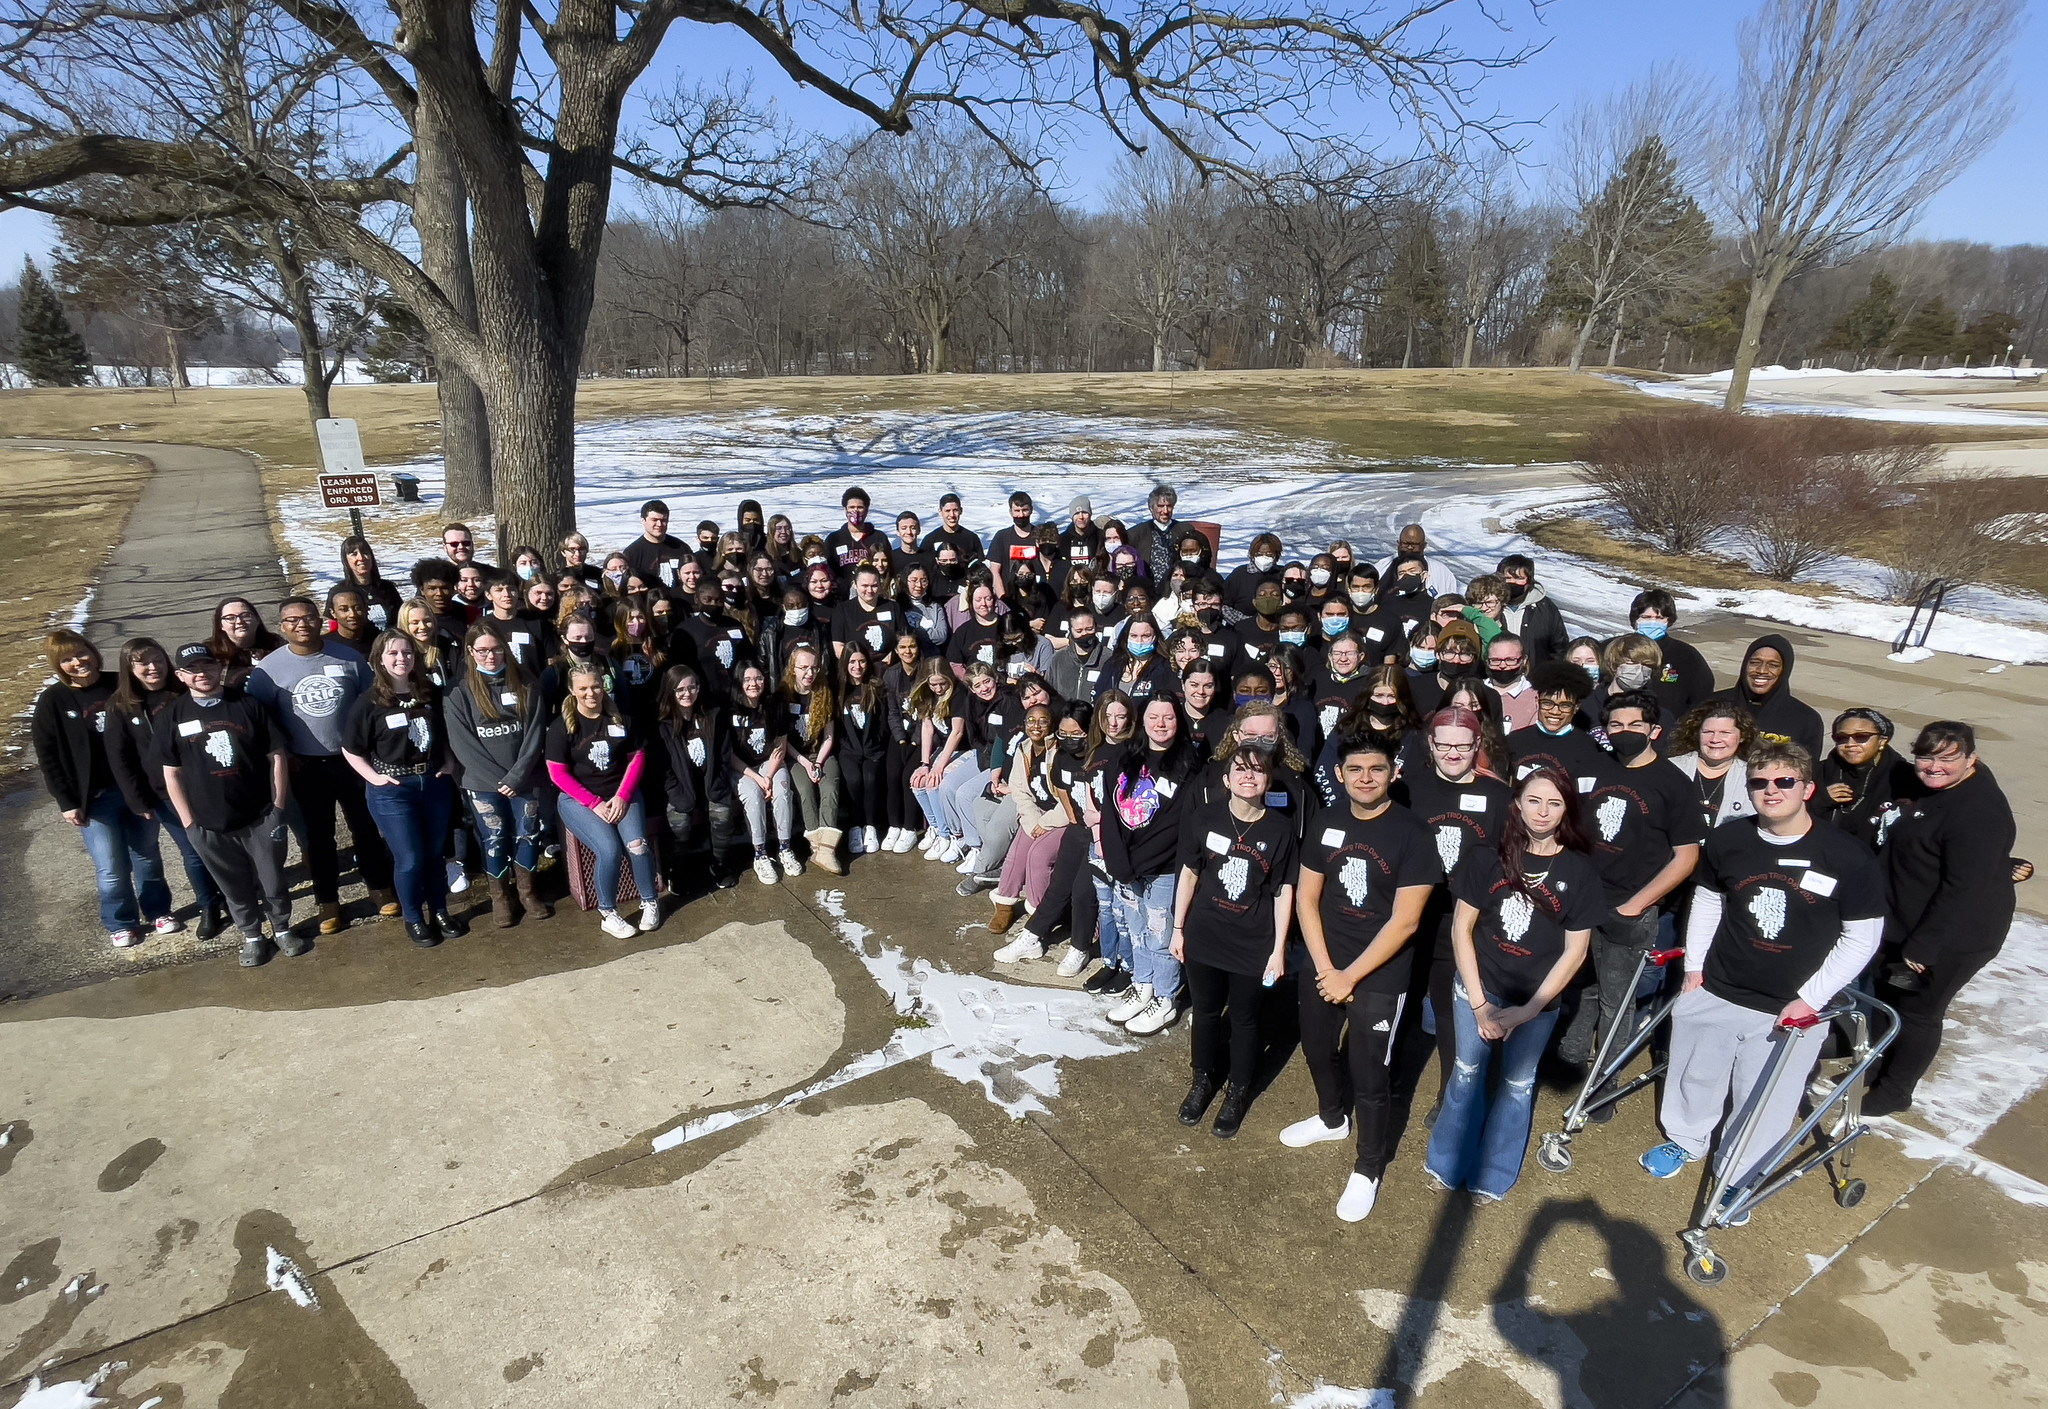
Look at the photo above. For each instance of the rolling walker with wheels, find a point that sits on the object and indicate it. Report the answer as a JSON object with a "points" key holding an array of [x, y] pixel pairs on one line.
{"points": [[1729, 1203], [1555, 1151]]}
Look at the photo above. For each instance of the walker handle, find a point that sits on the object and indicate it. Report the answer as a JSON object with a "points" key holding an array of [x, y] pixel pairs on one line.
{"points": [[1661, 957], [1806, 1022]]}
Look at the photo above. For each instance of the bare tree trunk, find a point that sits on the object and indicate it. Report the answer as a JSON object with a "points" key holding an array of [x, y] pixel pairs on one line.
{"points": [[1471, 332], [1614, 343], [1158, 355], [174, 352], [1763, 287], [1408, 352], [532, 416], [441, 216], [1579, 347]]}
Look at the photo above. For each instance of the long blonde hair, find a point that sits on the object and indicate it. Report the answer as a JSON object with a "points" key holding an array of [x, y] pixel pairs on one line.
{"points": [[821, 706], [609, 714], [429, 650]]}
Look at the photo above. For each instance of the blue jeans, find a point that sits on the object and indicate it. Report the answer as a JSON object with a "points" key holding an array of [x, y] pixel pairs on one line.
{"points": [[1143, 915], [508, 828], [413, 818], [1473, 1146], [612, 844], [125, 861], [203, 889]]}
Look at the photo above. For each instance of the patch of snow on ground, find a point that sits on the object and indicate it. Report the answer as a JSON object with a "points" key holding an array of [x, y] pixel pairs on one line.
{"points": [[1994, 1050], [1332, 1397], [72, 1394], [281, 1274], [1712, 389]]}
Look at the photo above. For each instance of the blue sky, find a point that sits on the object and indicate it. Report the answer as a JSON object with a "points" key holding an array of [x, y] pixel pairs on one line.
{"points": [[1591, 47]]}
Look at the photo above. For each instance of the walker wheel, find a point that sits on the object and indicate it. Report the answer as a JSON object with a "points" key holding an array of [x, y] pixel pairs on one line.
{"points": [[1706, 1268], [1850, 1192], [1554, 1154]]}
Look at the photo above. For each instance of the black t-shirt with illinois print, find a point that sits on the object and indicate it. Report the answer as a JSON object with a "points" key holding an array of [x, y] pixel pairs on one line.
{"points": [[1240, 868], [1519, 935], [1363, 862]]}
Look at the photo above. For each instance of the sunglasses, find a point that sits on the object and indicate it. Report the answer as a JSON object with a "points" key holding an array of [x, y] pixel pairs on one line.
{"points": [[1783, 785], [1856, 738]]}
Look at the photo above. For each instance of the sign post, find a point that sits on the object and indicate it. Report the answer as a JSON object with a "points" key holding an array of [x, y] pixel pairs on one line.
{"points": [[347, 483]]}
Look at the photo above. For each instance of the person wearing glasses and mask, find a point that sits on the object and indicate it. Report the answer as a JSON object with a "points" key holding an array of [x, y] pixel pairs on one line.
{"points": [[1785, 915]]}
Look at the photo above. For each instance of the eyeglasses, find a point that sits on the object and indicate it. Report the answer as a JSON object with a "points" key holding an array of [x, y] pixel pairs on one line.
{"points": [[1783, 785], [295, 621], [236, 616], [1857, 738], [1441, 747]]}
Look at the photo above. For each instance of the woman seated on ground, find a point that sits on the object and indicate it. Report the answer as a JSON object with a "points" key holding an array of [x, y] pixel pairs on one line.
{"points": [[1524, 920], [757, 753], [937, 708], [1042, 815], [596, 757], [976, 799], [1709, 748], [810, 725]]}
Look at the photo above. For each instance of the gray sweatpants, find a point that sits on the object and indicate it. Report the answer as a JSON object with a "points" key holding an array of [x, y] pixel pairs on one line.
{"points": [[248, 866], [1718, 1055]]}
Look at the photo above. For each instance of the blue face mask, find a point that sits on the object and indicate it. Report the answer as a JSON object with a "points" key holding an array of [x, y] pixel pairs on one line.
{"points": [[1592, 673], [1653, 629], [1294, 638], [1141, 649], [1422, 659], [1243, 700], [1335, 626]]}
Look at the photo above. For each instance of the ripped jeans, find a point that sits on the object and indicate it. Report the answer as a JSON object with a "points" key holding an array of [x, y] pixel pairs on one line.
{"points": [[508, 828], [1473, 1146], [612, 844], [1142, 913]]}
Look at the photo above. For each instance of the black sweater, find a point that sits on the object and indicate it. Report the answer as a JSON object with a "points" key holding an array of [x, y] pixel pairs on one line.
{"points": [[1948, 871], [130, 734], [66, 728], [1886, 779]]}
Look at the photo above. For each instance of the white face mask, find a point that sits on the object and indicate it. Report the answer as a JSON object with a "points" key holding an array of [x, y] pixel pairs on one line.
{"points": [[1104, 600], [797, 617], [1632, 676], [1264, 562], [1319, 576]]}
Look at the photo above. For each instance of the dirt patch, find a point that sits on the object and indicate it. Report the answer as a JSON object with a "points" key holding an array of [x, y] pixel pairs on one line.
{"points": [[61, 514]]}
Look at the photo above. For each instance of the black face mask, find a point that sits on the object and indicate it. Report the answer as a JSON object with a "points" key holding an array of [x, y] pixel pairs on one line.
{"points": [[580, 649], [952, 572], [1503, 677], [1294, 589], [1209, 618], [1084, 644], [1458, 670], [1072, 748], [1408, 586], [1627, 744], [1517, 591]]}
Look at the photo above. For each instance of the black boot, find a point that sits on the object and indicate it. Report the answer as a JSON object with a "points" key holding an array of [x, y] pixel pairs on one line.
{"points": [[1236, 1101], [422, 933], [212, 920], [1198, 1098], [449, 926], [1108, 979]]}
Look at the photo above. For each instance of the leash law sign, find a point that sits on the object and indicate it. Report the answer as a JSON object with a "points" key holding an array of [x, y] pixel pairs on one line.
{"points": [[347, 483]]}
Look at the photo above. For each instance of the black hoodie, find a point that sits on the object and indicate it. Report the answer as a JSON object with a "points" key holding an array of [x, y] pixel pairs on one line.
{"points": [[1778, 714]]}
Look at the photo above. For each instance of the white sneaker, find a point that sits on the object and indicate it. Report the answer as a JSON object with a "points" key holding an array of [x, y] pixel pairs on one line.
{"points": [[1024, 946], [1359, 1194], [617, 925], [874, 841], [650, 916], [907, 842], [124, 939], [856, 841], [953, 851], [934, 839], [1073, 961], [970, 861], [1159, 1013], [458, 878], [1131, 1002], [167, 924], [790, 865], [765, 872], [1303, 1133]]}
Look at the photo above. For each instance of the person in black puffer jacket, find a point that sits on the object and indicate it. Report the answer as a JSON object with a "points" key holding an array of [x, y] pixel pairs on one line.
{"points": [[1860, 787]]}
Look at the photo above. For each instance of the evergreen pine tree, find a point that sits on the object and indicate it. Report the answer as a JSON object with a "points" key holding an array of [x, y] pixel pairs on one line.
{"points": [[1930, 332], [1870, 324], [49, 351]]}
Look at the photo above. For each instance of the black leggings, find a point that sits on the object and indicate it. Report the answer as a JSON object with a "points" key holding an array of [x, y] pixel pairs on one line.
{"points": [[865, 797], [1224, 1013], [899, 805], [1069, 893], [1921, 1012], [1353, 1070]]}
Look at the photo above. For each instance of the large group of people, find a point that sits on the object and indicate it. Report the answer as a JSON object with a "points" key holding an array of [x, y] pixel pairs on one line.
{"points": [[1318, 799]]}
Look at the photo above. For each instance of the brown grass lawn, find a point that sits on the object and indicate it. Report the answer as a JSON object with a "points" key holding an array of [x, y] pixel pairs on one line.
{"points": [[1491, 416], [61, 513]]}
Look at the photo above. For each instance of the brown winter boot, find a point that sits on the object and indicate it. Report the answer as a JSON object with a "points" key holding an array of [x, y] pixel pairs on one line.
{"points": [[825, 850], [502, 913], [330, 917], [533, 903], [1005, 916]]}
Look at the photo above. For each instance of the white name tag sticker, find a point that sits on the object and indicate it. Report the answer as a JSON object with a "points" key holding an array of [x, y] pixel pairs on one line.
{"points": [[1373, 633], [1216, 651], [1472, 802], [336, 672], [995, 719], [1218, 843], [1277, 798], [1333, 837], [395, 721], [508, 698], [617, 731], [521, 638], [1819, 882], [1586, 784], [735, 633], [1167, 787], [885, 616], [1524, 771], [1092, 676], [189, 728]]}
